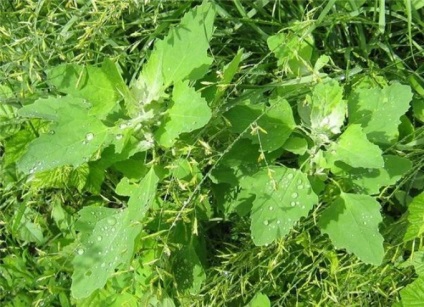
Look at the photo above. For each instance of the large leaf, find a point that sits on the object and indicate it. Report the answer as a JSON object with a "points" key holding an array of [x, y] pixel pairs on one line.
{"points": [[354, 149], [181, 55], [275, 123], [415, 218], [413, 294], [282, 197], [102, 86], [378, 111], [188, 112], [74, 137], [108, 235], [369, 181], [351, 222]]}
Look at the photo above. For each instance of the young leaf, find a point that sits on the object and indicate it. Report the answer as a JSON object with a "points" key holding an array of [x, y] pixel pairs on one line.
{"points": [[351, 222], [259, 300], [188, 112], [325, 111], [354, 149], [415, 218], [102, 86], [181, 55], [281, 200], [378, 111], [107, 236], [275, 123], [75, 134]]}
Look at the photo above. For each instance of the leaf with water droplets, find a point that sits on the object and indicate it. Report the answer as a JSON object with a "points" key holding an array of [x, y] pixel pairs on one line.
{"points": [[351, 222], [107, 236], [78, 134], [282, 197], [415, 218]]}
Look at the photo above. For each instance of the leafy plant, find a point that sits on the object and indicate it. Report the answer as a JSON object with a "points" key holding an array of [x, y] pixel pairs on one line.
{"points": [[314, 165]]}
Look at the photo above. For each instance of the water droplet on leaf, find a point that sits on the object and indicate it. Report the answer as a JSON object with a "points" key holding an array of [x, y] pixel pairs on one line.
{"points": [[89, 136]]}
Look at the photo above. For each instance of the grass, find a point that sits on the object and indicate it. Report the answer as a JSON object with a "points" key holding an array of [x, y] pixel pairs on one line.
{"points": [[384, 41]]}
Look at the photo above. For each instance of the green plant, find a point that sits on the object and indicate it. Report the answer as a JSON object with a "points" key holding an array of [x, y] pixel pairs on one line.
{"points": [[158, 163]]}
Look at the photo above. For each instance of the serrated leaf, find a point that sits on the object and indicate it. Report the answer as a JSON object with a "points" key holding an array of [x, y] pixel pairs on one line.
{"points": [[108, 235], [188, 112], [351, 222], [181, 55], [74, 137], [378, 111], [354, 149], [280, 201], [369, 181], [415, 218], [324, 112], [276, 122], [188, 270], [102, 86], [413, 294]]}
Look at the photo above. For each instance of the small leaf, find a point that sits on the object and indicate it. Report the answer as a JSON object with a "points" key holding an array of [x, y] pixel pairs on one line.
{"points": [[259, 300], [188, 112], [415, 218], [354, 149], [351, 222], [378, 111], [275, 123], [324, 112], [280, 201]]}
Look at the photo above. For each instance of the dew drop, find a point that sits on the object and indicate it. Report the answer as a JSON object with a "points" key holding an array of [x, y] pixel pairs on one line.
{"points": [[293, 204], [80, 251], [111, 221], [290, 176], [103, 265], [89, 136], [278, 222], [266, 222], [294, 195], [271, 208], [118, 136], [99, 238]]}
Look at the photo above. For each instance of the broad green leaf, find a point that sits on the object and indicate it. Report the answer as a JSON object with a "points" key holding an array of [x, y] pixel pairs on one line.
{"points": [[282, 197], [324, 112], [378, 111], [351, 222], [74, 137], [270, 126], [108, 235], [413, 294], [418, 109], [415, 218], [417, 261], [188, 112], [102, 86], [259, 300], [354, 149], [369, 181], [188, 270], [181, 55], [296, 145]]}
